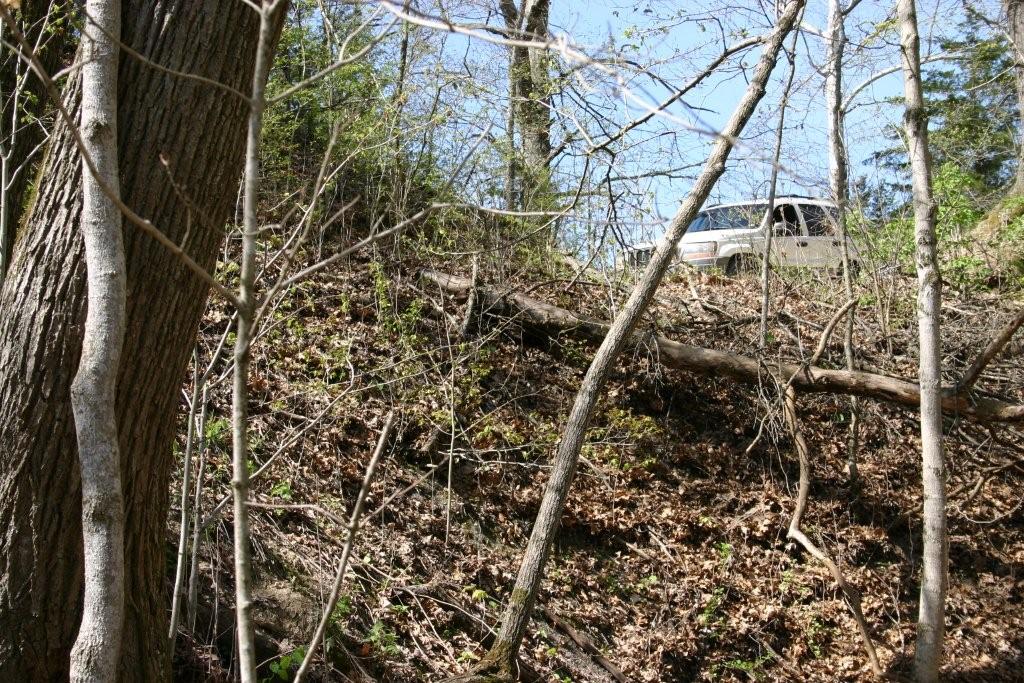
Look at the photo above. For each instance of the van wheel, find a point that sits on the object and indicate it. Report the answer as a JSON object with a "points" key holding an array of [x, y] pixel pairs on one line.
{"points": [[739, 264]]}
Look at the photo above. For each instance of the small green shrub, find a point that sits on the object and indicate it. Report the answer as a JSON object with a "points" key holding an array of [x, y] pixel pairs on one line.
{"points": [[283, 665], [383, 640]]}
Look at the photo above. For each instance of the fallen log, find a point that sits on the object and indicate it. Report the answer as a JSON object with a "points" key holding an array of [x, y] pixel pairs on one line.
{"points": [[552, 320]]}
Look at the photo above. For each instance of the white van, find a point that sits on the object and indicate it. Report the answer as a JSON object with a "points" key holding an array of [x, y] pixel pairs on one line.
{"points": [[731, 237]]}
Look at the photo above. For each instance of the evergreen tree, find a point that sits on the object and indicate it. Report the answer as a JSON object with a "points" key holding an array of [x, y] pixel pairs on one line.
{"points": [[972, 109]]}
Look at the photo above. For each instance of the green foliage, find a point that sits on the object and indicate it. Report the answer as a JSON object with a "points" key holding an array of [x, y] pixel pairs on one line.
{"points": [[478, 594], [753, 668], [646, 584], [960, 196], [217, 431], [818, 635], [972, 113], [355, 106], [625, 440], [1003, 231], [382, 640], [297, 129], [957, 193], [282, 489], [973, 120], [724, 552], [283, 665], [710, 617], [400, 326], [342, 609]]}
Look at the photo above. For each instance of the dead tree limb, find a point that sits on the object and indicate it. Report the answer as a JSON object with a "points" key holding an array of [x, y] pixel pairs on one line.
{"points": [[850, 592], [551, 321], [584, 643], [991, 350]]}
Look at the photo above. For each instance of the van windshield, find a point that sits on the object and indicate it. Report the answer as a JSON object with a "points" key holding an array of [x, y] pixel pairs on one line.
{"points": [[729, 218]]}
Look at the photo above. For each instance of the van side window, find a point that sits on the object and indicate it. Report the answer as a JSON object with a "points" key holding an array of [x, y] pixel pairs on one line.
{"points": [[785, 219], [820, 221], [740, 217]]}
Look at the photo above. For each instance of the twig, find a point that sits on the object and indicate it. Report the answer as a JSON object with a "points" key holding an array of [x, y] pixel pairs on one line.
{"points": [[190, 438]]}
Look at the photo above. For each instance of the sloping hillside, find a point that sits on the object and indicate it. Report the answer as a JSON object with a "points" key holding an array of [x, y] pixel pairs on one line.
{"points": [[672, 562]]}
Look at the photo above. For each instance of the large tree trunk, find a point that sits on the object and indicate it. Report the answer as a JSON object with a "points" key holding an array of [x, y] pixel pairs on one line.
{"points": [[934, 551], [1015, 26], [198, 129]]}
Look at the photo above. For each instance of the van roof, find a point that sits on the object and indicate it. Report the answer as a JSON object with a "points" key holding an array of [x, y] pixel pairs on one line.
{"points": [[796, 199]]}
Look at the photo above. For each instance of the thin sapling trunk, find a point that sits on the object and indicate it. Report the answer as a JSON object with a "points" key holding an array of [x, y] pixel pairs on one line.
{"points": [[766, 223], [934, 556], [97, 649], [243, 345], [839, 186]]}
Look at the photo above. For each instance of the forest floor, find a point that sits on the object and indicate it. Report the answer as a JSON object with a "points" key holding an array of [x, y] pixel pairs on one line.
{"points": [[672, 558]]}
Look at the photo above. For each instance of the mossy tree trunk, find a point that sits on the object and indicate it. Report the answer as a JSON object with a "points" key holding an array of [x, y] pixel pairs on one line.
{"points": [[22, 108]]}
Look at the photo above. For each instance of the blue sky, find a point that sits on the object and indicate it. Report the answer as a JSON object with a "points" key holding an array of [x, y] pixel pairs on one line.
{"points": [[805, 149], [681, 42]]}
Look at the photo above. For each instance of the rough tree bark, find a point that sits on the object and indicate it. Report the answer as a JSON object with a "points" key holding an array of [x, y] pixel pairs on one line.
{"points": [[838, 176], [1015, 27], [500, 661], [934, 555], [160, 136], [94, 656]]}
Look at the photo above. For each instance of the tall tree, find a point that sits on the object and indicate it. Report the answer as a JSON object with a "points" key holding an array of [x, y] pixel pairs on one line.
{"points": [[934, 555], [1015, 26], [529, 86], [247, 305], [972, 109], [502, 656], [839, 180], [180, 171]]}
